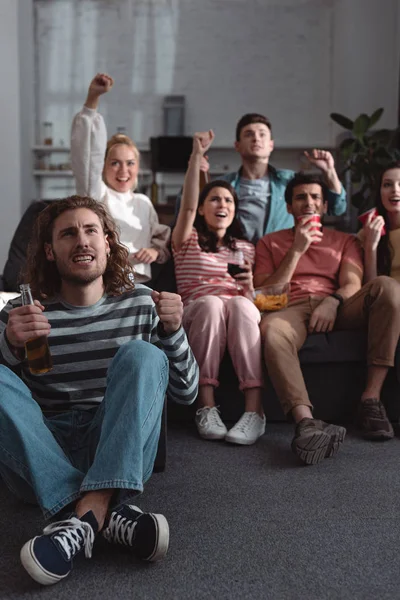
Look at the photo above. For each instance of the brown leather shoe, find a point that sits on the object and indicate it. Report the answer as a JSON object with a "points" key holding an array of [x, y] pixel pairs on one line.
{"points": [[373, 421]]}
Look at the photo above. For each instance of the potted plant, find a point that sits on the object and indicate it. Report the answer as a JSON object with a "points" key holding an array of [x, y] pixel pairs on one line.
{"points": [[365, 152]]}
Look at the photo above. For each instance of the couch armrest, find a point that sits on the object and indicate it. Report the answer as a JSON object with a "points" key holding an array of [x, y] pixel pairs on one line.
{"points": [[5, 297]]}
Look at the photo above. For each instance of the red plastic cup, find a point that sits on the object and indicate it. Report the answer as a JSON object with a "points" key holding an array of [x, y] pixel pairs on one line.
{"points": [[364, 216], [313, 219]]}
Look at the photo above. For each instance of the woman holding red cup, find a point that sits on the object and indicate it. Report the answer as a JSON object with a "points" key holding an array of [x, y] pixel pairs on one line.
{"points": [[381, 228]]}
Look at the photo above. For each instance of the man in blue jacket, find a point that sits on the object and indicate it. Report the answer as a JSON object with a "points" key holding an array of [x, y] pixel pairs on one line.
{"points": [[261, 187]]}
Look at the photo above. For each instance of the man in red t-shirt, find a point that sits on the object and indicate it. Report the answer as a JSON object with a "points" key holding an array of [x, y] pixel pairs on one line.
{"points": [[324, 268]]}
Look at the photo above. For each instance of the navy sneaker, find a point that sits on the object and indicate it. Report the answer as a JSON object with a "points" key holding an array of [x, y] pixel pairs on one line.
{"points": [[48, 557], [146, 533]]}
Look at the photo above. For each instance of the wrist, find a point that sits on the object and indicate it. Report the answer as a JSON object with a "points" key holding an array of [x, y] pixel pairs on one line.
{"points": [[330, 173], [92, 101], [18, 352], [331, 178], [196, 157], [295, 253], [165, 329], [370, 249], [337, 299]]}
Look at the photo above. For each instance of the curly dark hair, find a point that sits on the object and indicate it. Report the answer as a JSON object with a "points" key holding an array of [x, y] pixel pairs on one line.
{"points": [[301, 178], [207, 239], [384, 255], [43, 274]]}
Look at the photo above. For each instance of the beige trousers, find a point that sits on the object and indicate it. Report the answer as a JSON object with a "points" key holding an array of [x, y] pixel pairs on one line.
{"points": [[376, 307]]}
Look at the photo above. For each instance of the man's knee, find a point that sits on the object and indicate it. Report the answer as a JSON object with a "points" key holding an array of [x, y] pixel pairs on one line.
{"points": [[275, 335], [11, 386], [139, 353], [386, 290]]}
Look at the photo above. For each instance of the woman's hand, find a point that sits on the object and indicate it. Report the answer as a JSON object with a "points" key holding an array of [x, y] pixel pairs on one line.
{"points": [[372, 231], [202, 140], [146, 255], [245, 279], [100, 84]]}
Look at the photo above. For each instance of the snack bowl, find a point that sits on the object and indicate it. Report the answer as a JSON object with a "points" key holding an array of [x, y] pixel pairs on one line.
{"points": [[271, 297]]}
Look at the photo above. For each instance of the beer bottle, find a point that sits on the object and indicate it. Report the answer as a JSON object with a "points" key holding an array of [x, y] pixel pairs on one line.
{"points": [[37, 349]]}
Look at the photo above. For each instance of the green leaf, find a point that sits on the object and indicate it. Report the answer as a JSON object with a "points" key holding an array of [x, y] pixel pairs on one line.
{"points": [[342, 121], [381, 137], [374, 118], [361, 125], [347, 148]]}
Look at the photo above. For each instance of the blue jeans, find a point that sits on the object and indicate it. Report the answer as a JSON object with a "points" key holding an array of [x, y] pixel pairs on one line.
{"points": [[53, 461]]}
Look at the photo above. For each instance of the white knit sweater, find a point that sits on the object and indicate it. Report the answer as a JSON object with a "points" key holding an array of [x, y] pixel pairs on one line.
{"points": [[134, 213]]}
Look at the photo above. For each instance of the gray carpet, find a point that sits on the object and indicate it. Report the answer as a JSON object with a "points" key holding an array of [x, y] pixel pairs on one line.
{"points": [[246, 523]]}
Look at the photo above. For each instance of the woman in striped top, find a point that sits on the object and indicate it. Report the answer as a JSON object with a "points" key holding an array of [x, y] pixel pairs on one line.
{"points": [[218, 308]]}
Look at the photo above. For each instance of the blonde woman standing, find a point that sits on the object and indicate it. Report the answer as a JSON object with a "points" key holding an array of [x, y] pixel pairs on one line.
{"points": [[108, 172]]}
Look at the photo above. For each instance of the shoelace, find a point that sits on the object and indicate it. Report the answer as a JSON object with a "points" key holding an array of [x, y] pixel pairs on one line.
{"points": [[209, 414], [72, 533], [121, 530], [245, 421]]}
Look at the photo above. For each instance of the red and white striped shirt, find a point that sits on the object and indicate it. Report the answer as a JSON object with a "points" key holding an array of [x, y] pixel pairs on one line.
{"points": [[200, 273]]}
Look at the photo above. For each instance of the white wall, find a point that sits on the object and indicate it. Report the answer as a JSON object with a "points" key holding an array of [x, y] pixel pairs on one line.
{"points": [[226, 57], [10, 163], [366, 59]]}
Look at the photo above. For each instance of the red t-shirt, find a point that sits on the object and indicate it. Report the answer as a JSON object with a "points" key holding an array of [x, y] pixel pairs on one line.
{"points": [[317, 272]]}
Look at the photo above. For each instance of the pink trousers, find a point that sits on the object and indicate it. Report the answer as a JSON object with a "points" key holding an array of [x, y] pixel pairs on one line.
{"points": [[212, 324]]}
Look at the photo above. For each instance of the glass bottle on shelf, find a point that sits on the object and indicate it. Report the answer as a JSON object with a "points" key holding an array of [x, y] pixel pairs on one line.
{"points": [[37, 349], [48, 133]]}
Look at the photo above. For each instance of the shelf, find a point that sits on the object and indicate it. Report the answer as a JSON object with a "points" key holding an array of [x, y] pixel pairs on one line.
{"points": [[55, 173], [66, 173], [51, 148], [144, 147]]}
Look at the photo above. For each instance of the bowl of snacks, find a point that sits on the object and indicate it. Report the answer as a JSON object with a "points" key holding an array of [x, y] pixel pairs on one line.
{"points": [[271, 297]]}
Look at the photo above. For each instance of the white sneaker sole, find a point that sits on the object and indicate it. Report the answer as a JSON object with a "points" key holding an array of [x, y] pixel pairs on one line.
{"points": [[162, 543], [242, 441], [35, 569], [213, 436]]}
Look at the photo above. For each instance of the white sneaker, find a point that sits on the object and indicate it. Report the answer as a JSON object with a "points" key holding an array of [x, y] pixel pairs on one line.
{"points": [[247, 430], [209, 424]]}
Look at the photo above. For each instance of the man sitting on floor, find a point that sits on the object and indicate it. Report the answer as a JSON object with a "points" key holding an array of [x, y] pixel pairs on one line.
{"points": [[324, 268], [81, 439]]}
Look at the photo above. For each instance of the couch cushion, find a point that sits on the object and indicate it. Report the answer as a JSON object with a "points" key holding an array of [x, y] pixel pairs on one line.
{"points": [[337, 346], [19, 244], [5, 297]]}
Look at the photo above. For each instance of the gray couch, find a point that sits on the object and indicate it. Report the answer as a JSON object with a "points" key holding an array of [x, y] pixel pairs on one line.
{"points": [[333, 364], [334, 369]]}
